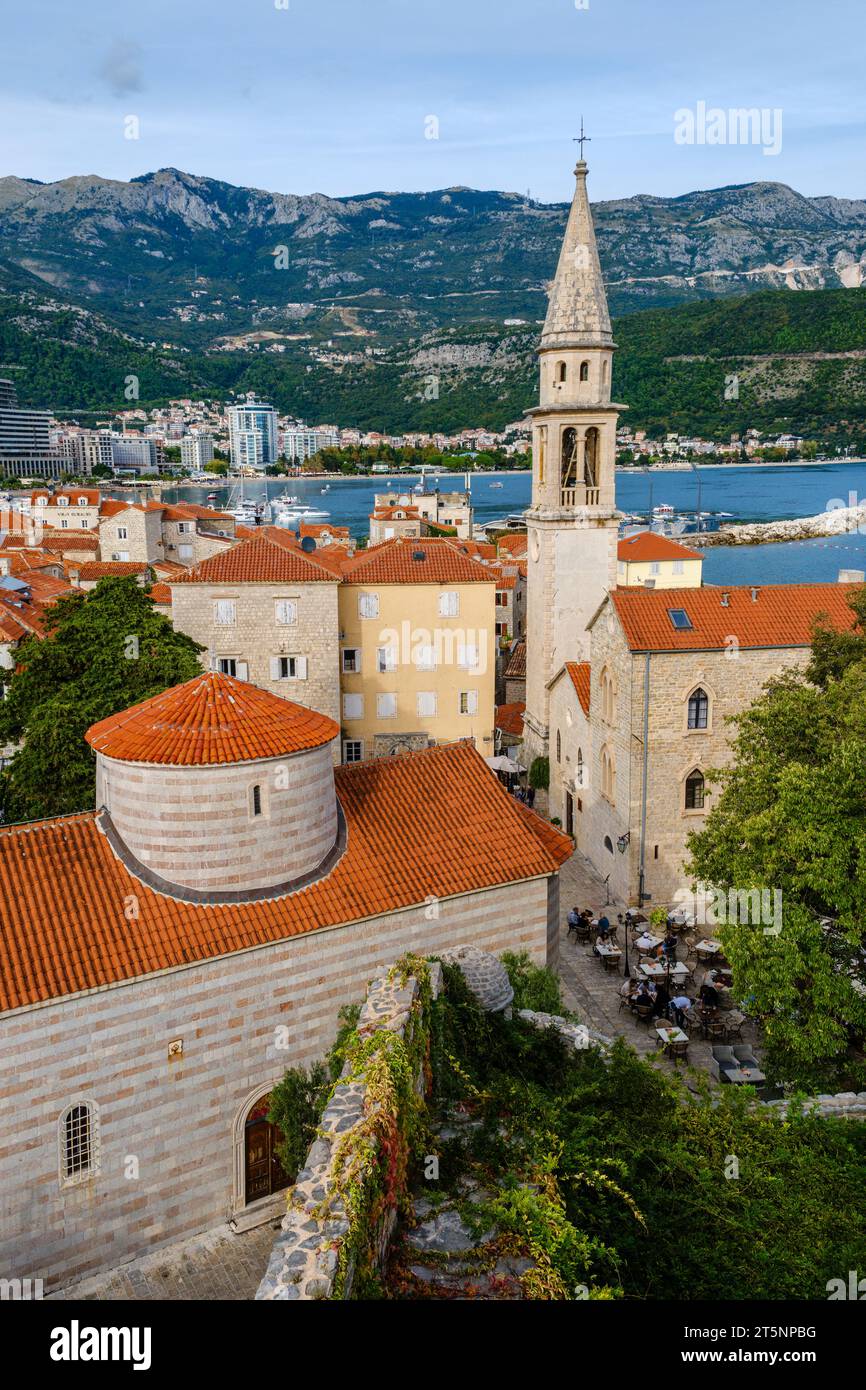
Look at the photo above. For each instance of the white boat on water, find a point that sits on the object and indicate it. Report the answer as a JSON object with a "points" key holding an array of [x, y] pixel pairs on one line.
{"points": [[664, 510], [300, 512], [496, 485]]}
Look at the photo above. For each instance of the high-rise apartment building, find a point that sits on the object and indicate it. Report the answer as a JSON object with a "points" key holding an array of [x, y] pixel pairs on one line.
{"points": [[25, 443], [252, 434]]}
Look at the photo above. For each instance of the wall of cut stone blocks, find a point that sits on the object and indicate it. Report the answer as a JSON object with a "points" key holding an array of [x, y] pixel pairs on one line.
{"points": [[171, 1128]]}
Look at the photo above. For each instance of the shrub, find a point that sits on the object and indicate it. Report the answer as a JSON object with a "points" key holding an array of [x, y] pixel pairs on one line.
{"points": [[539, 774], [535, 987]]}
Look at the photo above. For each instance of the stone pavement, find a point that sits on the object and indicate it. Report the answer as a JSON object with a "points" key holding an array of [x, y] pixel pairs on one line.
{"points": [[593, 992], [217, 1265]]}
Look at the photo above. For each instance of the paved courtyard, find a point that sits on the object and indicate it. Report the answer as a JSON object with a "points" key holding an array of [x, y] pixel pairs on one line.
{"points": [[217, 1265], [593, 992]]}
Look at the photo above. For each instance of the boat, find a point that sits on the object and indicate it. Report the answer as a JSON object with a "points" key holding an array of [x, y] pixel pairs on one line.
{"points": [[665, 509], [301, 512], [496, 485], [286, 499], [245, 510], [212, 497]]}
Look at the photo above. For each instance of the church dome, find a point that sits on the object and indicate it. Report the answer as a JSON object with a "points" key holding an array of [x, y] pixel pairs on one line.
{"points": [[210, 719], [217, 790]]}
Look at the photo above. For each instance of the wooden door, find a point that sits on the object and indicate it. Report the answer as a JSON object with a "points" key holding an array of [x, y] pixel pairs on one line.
{"points": [[569, 813], [263, 1170]]}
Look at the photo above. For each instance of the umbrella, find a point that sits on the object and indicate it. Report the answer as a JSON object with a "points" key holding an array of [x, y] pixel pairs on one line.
{"points": [[502, 764]]}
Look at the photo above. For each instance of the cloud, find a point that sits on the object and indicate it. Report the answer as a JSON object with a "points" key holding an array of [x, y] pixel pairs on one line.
{"points": [[120, 67]]}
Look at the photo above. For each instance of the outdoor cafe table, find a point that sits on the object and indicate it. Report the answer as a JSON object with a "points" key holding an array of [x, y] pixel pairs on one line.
{"points": [[708, 948], [672, 1035], [609, 954], [646, 942], [745, 1076], [657, 971]]}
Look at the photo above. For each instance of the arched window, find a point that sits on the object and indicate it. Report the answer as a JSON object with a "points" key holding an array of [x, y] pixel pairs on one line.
{"points": [[608, 775], [578, 777], [584, 371], [604, 370], [590, 458], [699, 708], [695, 791], [608, 843], [558, 746], [568, 468], [257, 800], [79, 1142], [608, 697], [561, 371]]}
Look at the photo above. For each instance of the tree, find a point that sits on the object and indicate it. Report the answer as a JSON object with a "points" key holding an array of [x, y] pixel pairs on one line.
{"points": [[791, 820], [102, 652]]}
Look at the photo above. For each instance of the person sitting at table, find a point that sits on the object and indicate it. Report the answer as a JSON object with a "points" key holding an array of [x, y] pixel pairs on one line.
{"points": [[642, 996], [645, 942], [627, 988], [603, 923], [669, 945], [677, 1009], [573, 919]]}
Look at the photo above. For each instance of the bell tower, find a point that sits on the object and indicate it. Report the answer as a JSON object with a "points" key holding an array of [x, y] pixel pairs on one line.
{"points": [[572, 523]]}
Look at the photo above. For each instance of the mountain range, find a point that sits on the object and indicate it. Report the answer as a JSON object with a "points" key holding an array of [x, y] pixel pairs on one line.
{"points": [[344, 307]]}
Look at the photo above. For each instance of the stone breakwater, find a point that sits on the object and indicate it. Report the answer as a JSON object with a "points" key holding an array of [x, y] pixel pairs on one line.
{"points": [[839, 521], [304, 1259]]}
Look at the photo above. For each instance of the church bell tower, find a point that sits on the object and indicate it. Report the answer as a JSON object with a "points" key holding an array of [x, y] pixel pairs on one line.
{"points": [[572, 523]]}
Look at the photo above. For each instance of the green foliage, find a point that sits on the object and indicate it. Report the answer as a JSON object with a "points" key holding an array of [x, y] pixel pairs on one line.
{"points": [[617, 1180], [297, 1101], [85, 669], [539, 774], [535, 986], [348, 1022], [791, 818]]}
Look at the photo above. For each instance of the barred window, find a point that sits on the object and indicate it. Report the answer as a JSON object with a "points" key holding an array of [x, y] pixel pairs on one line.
{"points": [[79, 1142]]}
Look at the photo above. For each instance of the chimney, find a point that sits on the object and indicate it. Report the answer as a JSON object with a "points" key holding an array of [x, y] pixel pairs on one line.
{"points": [[755, 593], [726, 598]]}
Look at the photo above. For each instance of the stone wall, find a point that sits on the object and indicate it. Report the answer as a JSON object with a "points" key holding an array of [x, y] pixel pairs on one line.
{"points": [[241, 1020], [316, 1252]]}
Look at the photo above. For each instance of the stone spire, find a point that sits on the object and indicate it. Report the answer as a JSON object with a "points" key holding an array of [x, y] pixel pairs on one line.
{"points": [[577, 313]]}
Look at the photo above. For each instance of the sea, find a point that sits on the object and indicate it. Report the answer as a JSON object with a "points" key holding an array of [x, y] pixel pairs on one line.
{"points": [[759, 493]]}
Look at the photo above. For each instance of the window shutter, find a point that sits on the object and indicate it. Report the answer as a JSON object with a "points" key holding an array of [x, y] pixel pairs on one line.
{"points": [[243, 671], [301, 668], [275, 668]]}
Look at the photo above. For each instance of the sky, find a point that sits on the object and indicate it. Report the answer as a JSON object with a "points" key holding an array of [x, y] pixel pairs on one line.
{"points": [[356, 96]]}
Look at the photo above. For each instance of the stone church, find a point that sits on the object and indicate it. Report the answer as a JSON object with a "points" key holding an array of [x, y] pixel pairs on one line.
{"points": [[628, 689], [165, 958]]}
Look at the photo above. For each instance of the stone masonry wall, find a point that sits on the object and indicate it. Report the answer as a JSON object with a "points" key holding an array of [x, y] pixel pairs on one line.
{"points": [[304, 1260], [171, 1124]]}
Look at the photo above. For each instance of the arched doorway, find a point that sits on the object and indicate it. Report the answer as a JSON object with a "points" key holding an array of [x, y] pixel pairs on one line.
{"points": [[260, 1172]]}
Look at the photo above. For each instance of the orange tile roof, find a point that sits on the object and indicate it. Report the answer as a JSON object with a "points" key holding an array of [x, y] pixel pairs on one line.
{"points": [[92, 495], [780, 615], [647, 546], [322, 528], [69, 540], [210, 719], [516, 668], [160, 593], [100, 569], [477, 550], [579, 671], [392, 562], [509, 718], [111, 506], [395, 514], [431, 824], [514, 545], [271, 556]]}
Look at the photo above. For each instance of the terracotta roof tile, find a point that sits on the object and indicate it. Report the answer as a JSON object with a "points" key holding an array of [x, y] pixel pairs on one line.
{"points": [[271, 556], [579, 671], [420, 825], [515, 545], [509, 718], [69, 540], [647, 546], [100, 569], [516, 668], [392, 562], [160, 593], [210, 719], [774, 615]]}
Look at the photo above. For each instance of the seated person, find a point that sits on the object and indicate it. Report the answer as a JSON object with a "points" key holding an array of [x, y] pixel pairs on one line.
{"points": [[645, 942], [628, 988], [662, 1000], [573, 918], [603, 923], [669, 945], [643, 996]]}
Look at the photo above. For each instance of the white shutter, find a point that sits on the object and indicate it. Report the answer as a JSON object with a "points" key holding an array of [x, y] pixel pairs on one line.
{"points": [[275, 668], [353, 706], [448, 604], [426, 704], [472, 702], [243, 671], [301, 668]]}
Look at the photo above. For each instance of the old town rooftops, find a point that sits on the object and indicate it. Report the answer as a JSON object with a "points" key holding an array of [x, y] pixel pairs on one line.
{"points": [[709, 619], [211, 719], [431, 824]]}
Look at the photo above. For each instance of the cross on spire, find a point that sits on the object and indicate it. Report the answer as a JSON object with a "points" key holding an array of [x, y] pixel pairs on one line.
{"points": [[581, 139]]}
